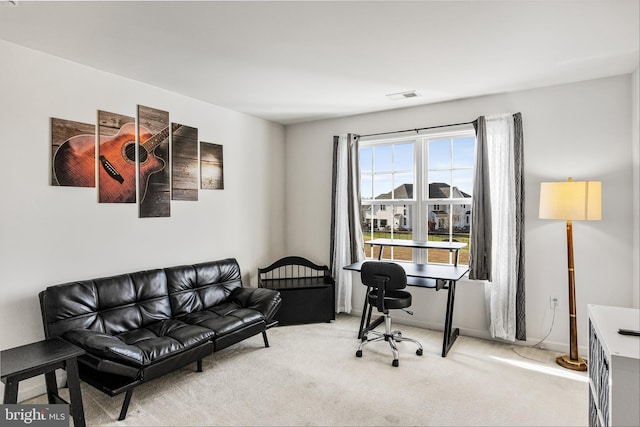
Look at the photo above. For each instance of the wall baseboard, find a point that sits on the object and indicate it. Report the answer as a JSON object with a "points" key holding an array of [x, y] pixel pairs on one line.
{"points": [[485, 335]]}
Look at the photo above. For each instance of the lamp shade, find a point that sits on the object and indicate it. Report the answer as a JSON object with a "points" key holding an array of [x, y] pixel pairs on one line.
{"points": [[571, 200]]}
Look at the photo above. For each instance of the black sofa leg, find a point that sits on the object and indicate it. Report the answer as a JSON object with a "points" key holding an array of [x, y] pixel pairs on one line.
{"points": [[125, 405], [264, 336], [199, 365]]}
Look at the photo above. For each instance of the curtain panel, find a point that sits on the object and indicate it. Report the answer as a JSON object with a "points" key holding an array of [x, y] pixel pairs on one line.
{"points": [[497, 230], [521, 324], [480, 241], [347, 243]]}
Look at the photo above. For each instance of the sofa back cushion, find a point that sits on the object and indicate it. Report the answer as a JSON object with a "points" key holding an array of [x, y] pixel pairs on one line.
{"points": [[111, 305], [198, 287]]}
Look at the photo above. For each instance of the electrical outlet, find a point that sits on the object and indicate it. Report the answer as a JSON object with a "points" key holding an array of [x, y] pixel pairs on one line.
{"points": [[553, 303]]}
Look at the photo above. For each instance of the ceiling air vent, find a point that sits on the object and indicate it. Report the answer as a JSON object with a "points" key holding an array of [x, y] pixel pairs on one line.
{"points": [[403, 95]]}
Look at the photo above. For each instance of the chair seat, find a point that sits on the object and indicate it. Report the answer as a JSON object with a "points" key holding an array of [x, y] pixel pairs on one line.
{"points": [[393, 299]]}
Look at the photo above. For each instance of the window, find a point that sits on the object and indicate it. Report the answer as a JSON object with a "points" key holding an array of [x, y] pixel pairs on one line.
{"points": [[387, 176], [418, 188]]}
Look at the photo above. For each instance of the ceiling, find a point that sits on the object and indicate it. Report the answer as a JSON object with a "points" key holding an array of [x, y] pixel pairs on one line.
{"points": [[297, 61]]}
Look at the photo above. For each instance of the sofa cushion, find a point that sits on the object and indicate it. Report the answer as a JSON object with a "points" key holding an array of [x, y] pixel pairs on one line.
{"points": [[224, 318], [111, 305], [144, 346], [132, 301], [193, 288]]}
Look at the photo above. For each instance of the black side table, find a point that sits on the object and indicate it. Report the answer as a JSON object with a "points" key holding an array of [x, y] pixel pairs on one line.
{"points": [[39, 358]]}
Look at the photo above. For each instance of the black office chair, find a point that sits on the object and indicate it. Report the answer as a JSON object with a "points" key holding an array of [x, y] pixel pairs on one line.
{"points": [[387, 279]]}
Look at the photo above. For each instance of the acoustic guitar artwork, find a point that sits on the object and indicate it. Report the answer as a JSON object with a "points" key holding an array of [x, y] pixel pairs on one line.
{"points": [[74, 162]]}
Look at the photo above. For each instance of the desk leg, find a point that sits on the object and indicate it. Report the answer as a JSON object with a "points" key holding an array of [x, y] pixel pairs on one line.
{"points": [[10, 391], [449, 335], [364, 314], [366, 308], [75, 395]]}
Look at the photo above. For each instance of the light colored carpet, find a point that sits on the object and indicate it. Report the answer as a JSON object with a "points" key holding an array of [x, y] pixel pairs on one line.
{"points": [[310, 376]]}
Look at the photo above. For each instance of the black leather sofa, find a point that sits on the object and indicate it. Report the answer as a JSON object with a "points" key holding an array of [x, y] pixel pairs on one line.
{"points": [[136, 327]]}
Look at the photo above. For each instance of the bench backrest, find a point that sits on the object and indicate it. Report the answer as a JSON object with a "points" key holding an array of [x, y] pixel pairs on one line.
{"points": [[292, 267]]}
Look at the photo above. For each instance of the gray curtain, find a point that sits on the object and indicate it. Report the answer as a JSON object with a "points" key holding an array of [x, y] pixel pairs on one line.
{"points": [[521, 324], [347, 245], [480, 243]]}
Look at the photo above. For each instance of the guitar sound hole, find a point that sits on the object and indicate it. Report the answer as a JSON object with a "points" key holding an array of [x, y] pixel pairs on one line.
{"points": [[130, 152]]}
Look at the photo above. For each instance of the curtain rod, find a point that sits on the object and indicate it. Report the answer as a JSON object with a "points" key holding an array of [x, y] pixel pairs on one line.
{"points": [[419, 129]]}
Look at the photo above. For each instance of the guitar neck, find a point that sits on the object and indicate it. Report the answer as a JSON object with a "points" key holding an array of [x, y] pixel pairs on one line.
{"points": [[153, 142]]}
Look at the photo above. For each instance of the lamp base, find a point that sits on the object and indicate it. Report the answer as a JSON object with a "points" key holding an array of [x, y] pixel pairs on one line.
{"points": [[576, 365]]}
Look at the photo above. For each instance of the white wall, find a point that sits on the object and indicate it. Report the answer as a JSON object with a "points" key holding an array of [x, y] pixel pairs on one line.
{"points": [[580, 130], [635, 122], [50, 235]]}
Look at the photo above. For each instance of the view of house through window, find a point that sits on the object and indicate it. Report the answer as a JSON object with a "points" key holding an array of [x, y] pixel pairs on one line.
{"points": [[418, 188]]}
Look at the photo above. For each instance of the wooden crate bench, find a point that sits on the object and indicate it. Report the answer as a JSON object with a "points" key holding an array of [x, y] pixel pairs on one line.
{"points": [[307, 290]]}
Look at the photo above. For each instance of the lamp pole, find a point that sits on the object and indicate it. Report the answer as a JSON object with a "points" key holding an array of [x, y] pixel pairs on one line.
{"points": [[572, 361]]}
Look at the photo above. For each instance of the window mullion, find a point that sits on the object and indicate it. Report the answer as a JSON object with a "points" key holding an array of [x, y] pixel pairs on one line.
{"points": [[419, 222]]}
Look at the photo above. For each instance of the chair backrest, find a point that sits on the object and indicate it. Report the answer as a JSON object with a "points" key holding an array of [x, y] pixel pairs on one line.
{"points": [[387, 275], [383, 276]]}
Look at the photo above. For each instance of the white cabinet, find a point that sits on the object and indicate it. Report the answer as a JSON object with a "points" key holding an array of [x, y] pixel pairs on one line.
{"points": [[614, 367]]}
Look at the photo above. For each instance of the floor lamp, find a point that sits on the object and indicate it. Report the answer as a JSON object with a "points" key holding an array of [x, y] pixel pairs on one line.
{"points": [[571, 200]]}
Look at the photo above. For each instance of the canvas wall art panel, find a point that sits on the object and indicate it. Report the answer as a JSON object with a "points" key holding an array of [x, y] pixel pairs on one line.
{"points": [[116, 158], [184, 163], [73, 153], [211, 166], [153, 158]]}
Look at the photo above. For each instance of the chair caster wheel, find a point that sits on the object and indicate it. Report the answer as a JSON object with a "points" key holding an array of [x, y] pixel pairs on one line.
{"points": [[419, 352], [359, 353], [395, 363]]}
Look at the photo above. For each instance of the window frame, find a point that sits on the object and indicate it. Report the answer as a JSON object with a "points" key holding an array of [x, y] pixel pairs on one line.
{"points": [[420, 201]]}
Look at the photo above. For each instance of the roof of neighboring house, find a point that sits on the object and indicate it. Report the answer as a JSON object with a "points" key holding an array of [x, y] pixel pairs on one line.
{"points": [[404, 191], [437, 190], [440, 190]]}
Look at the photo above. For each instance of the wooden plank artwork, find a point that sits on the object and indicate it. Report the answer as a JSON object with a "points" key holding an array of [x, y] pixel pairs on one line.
{"points": [[144, 159], [184, 163], [211, 166], [153, 158], [73, 153], [116, 158]]}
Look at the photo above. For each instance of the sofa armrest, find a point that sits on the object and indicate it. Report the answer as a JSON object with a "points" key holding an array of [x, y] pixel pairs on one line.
{"points": [[266, 301], [106, 346]]}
